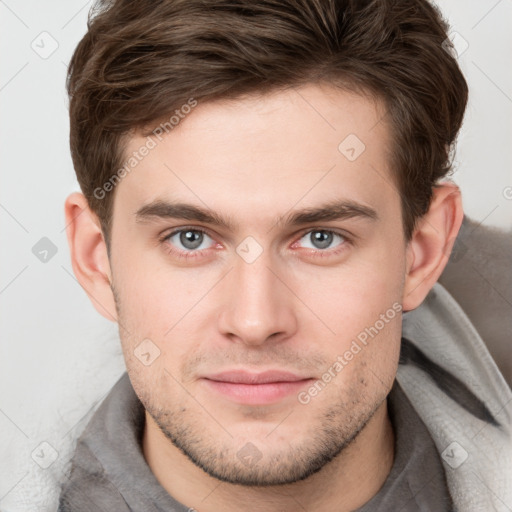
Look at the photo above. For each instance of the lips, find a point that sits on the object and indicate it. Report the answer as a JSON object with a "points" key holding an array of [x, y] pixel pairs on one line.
{"points": [[244, 377], [248, 388]]}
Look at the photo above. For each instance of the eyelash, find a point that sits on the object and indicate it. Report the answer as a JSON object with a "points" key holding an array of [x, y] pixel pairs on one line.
{"points": [[187, 255]]}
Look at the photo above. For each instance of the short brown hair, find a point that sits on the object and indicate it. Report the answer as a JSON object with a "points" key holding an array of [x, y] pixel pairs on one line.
{"points": [[141, 60]]}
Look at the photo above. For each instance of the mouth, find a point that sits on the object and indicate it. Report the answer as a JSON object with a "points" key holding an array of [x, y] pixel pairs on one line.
{"points": [[256, 388]]}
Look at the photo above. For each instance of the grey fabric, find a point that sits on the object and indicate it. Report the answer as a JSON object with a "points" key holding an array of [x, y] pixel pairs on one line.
{"points": [[109, 472], [479, 277], [417, 481], [475, 443]]}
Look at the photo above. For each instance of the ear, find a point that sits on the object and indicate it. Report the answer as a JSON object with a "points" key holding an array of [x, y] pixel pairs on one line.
{"points": [[431, 244], [89, 256]]}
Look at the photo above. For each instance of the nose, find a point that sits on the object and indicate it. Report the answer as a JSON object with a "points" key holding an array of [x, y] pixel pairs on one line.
{"points": [[259, 303]]}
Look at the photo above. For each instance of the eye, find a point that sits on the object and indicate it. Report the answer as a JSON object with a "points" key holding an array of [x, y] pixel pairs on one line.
{"points": [[321, 239], [188, 240]]}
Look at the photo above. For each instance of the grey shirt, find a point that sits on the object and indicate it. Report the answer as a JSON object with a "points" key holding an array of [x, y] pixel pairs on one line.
{"points": [[109, 472], [417, 480]]}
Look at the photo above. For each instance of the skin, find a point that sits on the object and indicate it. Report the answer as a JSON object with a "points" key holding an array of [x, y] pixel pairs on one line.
{"points": [[296, 307]]}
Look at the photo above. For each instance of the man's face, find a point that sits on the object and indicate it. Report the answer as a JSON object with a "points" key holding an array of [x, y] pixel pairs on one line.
{"points": [[262, 294]]}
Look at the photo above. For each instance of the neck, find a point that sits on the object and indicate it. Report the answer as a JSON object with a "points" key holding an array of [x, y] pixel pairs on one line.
{"points": [[346, 483]]}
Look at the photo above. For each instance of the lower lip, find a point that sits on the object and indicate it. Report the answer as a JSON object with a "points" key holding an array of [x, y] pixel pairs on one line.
{"points": [[257, 394]]}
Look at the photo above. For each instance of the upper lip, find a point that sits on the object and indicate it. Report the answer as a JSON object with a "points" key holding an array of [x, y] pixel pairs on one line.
{"points": [[245, 377]]}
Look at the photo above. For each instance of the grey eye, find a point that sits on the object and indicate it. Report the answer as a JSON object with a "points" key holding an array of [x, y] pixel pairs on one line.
{"points": [[321, 238], [190, 239]]}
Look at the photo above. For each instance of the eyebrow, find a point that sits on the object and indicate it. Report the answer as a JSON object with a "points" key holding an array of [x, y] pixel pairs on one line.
{"points": [[334, 210]]}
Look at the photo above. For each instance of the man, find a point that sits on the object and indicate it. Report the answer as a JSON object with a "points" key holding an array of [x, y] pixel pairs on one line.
{"points": [[264, 197]]}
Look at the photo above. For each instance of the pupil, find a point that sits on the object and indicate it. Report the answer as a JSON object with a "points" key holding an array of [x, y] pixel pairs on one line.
{"points": [[322, 239], [190, 239]]}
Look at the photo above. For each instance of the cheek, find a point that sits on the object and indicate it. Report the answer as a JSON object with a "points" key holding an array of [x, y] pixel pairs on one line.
{"points": [[162, 305], [152, 294], [352, 296]]}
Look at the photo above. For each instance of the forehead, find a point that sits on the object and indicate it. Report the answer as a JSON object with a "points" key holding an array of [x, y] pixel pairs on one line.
{"points": [[265, 153]]}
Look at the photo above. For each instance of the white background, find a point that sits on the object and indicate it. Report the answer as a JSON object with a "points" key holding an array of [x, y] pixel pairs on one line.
{"points": [[58, 356]]}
